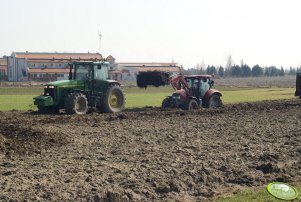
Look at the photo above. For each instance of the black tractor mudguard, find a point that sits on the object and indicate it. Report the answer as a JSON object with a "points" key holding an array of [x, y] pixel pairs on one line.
{"points": [[298, 85]]}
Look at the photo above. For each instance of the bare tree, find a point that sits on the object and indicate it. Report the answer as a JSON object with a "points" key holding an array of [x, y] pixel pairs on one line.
{"points": [[229, 61]]}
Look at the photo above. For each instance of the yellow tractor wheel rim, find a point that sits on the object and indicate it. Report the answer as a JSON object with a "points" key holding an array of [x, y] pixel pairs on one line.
{"points": [[113, 100]]}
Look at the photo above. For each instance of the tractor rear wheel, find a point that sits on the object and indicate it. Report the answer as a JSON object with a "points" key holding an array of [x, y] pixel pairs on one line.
{"points": [[113, 100], [166, 103], [76, 103], [190, 104], [215, 101]]}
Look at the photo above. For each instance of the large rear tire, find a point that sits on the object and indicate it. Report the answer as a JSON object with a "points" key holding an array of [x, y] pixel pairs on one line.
{"points": [[166, 103], [113, 100], [190, 104], [215, 101], [76, 103]]}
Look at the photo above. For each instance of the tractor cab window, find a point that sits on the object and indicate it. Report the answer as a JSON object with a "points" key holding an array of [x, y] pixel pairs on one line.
{"points": [[194, 85], [205, 86], [190, 82], [101, 72], [83, 72]]}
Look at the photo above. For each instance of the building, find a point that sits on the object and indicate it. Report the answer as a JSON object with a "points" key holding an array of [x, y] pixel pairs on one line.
{"points": [[43, 66], [3, 68], [34, 66], [46, 75]]}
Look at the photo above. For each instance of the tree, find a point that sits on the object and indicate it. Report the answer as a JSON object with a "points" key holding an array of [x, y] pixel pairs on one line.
{"points": [[292, 71], [236, 71], [221, 71], [246, 70], [281, 72], [211, 70], [267, 72], [257, 71], [228, 67], [229, 62], [274, 71]]}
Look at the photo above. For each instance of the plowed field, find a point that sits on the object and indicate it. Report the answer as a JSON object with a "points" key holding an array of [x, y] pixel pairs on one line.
{"points": [[149, 154]]}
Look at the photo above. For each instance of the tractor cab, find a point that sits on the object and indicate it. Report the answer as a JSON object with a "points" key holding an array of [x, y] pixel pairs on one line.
{"points": [[199, 84], [88, 71], [93, 74]]}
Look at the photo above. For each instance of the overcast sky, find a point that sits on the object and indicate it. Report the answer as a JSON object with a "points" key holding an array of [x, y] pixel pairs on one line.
{"points": [[265, 32]]}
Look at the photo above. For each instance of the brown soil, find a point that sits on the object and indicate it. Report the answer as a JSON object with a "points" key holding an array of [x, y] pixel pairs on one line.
{"points": [[149, 154]]}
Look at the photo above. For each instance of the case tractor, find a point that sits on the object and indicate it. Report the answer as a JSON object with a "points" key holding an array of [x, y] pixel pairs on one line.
{"points": [[88, 86], [191, 91]]}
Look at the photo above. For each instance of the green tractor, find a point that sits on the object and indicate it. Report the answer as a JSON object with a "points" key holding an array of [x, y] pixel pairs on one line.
{"points": [[88, 86]]}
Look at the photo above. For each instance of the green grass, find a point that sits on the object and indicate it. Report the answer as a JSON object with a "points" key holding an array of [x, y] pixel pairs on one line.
{"points": [[21, 98], [136, 97], [258, 94], [249, 195]]}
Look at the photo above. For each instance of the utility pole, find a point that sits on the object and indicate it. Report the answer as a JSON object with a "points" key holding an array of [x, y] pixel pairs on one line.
{"points": [[100, 36]]}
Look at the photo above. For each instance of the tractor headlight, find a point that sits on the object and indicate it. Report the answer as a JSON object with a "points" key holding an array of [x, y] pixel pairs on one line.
{"points": [[48, 86], [176, 97]]}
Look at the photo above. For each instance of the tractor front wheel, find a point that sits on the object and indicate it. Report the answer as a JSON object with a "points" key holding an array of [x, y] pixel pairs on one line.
{"points": [[76, 103], [190, 105], [113, 100], [166, 103], [215, 101]]}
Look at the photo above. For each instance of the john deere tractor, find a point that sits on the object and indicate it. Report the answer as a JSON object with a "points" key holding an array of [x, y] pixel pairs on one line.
{"points": [[88, 86]]}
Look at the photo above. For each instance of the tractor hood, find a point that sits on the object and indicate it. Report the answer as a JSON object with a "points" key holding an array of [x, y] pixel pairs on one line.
{"points": [[66, 83]]}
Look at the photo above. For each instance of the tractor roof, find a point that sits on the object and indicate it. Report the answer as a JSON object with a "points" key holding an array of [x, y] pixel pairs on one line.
{"points": [[198, 76]]}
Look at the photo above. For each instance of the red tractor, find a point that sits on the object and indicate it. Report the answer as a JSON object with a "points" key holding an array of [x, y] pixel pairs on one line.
{"points": [[192, 92]]}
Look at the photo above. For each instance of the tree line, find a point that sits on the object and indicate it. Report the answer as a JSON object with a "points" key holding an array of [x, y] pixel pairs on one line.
{"points": [[242, 70]]}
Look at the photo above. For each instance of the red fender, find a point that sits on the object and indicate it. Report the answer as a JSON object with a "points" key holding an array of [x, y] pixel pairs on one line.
{"points": [[209, 93]]}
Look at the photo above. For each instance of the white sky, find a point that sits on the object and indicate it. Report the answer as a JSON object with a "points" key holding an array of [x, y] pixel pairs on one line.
{"points": [[267, 32]]}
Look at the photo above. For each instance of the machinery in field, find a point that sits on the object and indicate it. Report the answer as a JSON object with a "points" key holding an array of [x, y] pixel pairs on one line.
{"points": [[191, 92], [298, 85], [88, 86]]}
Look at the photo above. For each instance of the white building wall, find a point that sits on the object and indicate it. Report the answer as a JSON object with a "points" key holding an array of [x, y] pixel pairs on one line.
{"points": [[17, 69]]}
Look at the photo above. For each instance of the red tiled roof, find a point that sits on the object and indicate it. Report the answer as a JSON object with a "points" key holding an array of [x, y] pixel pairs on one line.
{"points": [[115, 72], [110, 57], [3, 62], [51, 61], [148, 64], [163, 69], [58, 56], [48, 71]]}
